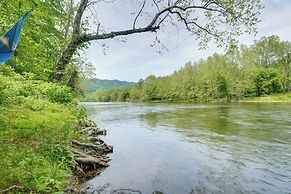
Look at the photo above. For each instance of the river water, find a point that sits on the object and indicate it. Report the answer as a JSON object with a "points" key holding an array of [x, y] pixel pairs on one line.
{"points": [[194, 148]]}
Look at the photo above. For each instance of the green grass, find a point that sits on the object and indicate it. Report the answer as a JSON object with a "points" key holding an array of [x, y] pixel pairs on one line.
{"points": [[33, 146], [278, 97]]}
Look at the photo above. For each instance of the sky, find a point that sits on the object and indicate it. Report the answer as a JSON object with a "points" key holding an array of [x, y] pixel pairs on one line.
{"points": [[136, 58]]}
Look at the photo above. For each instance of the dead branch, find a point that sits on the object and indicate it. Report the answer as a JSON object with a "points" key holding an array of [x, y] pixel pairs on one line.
{"points": [[10, 189]]}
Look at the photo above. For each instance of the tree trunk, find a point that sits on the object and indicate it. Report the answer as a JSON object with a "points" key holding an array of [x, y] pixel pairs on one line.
{"points": [[64, 60], [70, 11], [288, 81]]}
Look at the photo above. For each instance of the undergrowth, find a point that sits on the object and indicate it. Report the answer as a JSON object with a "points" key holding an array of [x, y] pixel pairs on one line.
{"points": [[38, 120]]}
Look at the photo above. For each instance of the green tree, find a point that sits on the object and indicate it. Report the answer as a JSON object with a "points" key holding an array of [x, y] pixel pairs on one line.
{"points": [[149, 89], [266, 81], [222, 86], [269, 50]]}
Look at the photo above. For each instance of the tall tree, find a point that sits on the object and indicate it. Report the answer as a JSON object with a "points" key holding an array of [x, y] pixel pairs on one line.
{"points": [[269, 50], [221, 20]]}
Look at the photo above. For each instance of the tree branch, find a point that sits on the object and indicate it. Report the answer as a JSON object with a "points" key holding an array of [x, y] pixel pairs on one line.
{"points": [[187, 23], [152, 26], [89, 37], [157, 6], [135, 19], [78, 18]]}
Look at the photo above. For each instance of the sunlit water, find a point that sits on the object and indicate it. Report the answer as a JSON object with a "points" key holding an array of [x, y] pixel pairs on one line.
{"points": [[193, 148]]}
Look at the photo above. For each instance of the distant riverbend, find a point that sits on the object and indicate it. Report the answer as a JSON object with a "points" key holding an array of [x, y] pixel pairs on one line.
{"points": [[195, 148]]}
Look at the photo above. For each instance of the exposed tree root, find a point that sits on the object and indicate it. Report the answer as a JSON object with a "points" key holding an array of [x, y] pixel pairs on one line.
{"points": [[93, 131], [96, 140], [91, 157]]}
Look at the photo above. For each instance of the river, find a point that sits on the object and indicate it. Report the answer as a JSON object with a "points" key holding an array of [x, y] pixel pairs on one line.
{"points": [[194, 148]]}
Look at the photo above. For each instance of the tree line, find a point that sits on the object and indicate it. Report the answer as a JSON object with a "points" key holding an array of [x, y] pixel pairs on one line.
{"points": [[242, 71]]}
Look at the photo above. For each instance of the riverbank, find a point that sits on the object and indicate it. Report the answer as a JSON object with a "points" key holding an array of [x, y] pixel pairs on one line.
{"points": [[39, 123], [277, 97]]}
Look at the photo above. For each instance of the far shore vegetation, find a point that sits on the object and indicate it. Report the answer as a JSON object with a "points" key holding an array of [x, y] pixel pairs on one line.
{"points": [[259, 72]]}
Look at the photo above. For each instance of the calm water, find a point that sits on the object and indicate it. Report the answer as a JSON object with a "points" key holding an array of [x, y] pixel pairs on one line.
{"points": [[186, 148]]}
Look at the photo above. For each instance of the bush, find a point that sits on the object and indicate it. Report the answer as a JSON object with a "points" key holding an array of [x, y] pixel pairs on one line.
{"points": [[17, 86]]}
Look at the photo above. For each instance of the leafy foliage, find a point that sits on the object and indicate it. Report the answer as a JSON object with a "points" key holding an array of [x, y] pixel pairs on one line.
{"points": [[42, 37], [17, 87]]}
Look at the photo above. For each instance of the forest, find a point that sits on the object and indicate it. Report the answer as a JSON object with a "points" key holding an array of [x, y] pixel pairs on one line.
{"points": [[243, 71]]}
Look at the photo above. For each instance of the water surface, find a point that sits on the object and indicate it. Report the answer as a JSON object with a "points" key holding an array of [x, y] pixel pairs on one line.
{"points": [[195, 148]]}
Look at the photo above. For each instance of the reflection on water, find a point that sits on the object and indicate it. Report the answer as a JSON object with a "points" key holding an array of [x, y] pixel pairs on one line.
{"points": [[185, 148]]}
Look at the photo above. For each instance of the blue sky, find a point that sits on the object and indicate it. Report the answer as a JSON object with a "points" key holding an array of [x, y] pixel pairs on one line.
{"points": [[135, 58]]}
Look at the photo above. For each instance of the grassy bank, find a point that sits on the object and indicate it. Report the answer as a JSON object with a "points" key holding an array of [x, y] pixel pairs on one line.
{"points": [[37, 123], [278, 97]]}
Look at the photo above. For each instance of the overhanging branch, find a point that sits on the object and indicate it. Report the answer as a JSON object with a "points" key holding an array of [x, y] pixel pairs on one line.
{"points": [[154, 25], [89, 37]]}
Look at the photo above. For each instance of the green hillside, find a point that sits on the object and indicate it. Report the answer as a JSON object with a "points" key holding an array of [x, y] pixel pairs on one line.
{"points": [[91, 85]]}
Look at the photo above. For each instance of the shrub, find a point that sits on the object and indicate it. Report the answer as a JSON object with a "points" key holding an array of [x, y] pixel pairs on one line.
{"points": [[11, 88]]}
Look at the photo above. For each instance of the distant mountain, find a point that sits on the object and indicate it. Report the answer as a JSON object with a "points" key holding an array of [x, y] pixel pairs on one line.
{"points": [[91, 85]]}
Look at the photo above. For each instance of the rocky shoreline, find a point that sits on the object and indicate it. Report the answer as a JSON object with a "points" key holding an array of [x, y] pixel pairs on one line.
{"points": [[90, 157]]}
